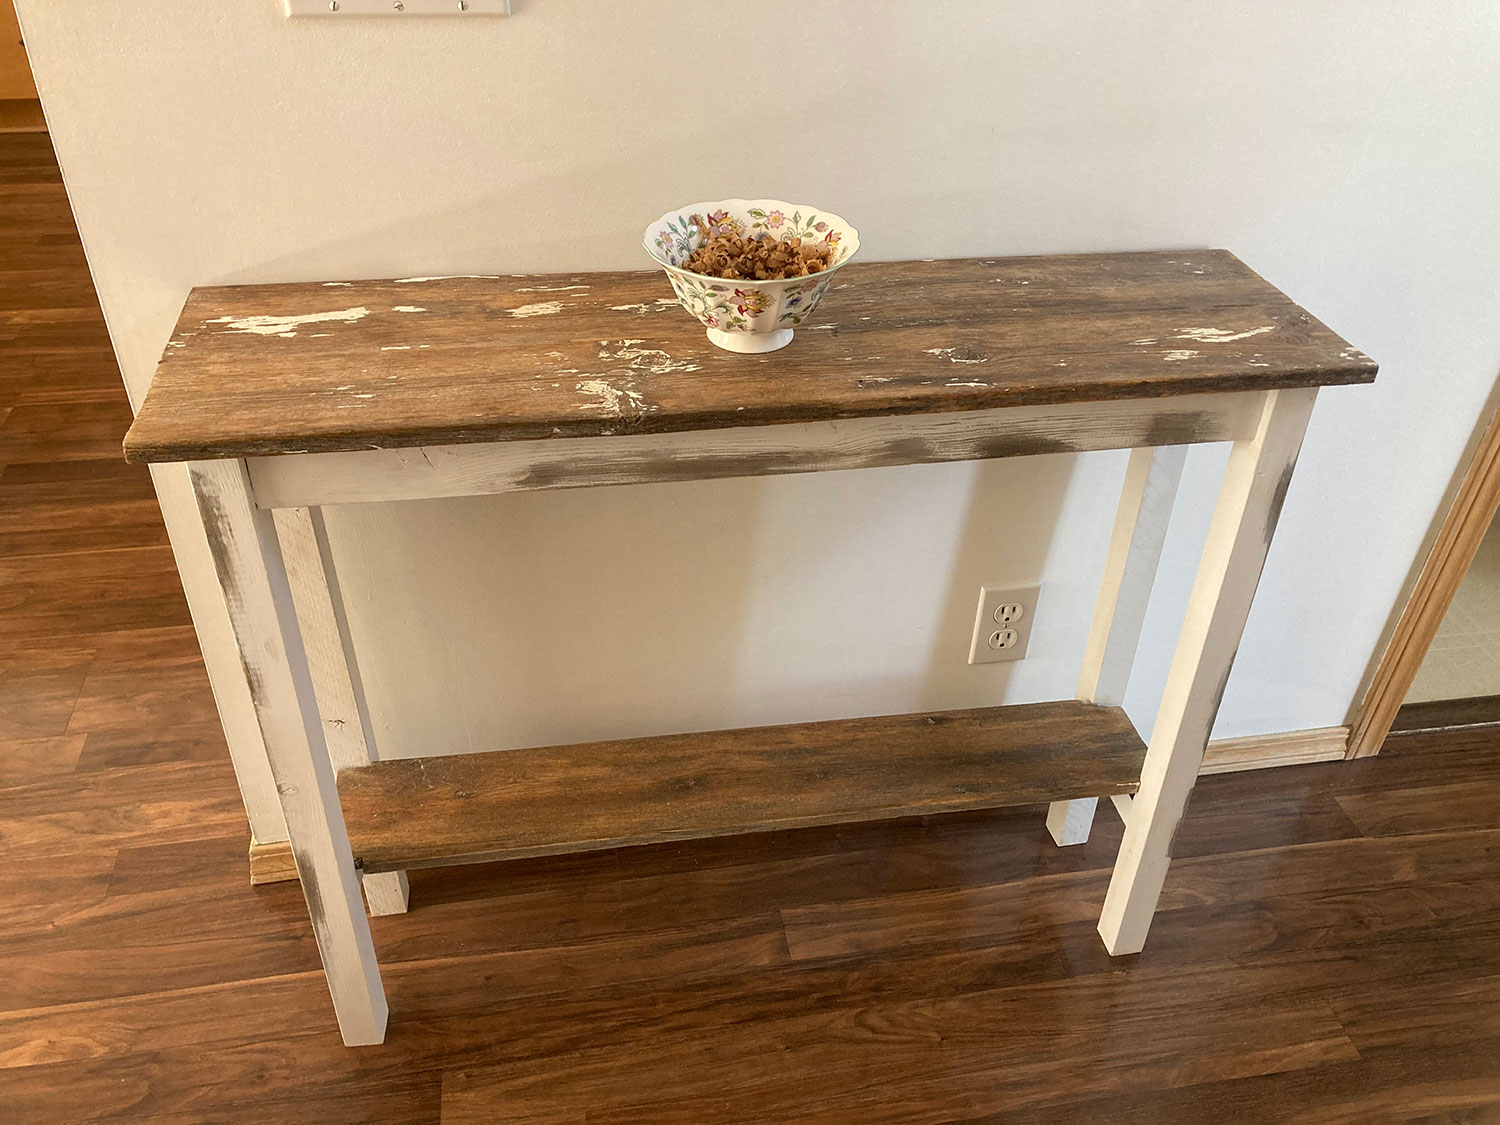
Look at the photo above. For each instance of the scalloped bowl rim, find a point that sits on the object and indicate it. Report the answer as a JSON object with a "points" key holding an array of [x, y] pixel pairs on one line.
{"points": [[845, 227]]}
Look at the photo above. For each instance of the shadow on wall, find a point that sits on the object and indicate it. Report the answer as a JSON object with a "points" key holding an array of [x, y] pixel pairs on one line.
{"points": [[615, 612]]}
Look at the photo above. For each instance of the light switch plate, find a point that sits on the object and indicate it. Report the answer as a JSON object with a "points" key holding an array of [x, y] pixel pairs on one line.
{"points": [[351, 8], [1002, 624]]}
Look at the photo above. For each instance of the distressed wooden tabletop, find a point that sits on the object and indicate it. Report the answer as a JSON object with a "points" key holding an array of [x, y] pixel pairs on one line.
{"points": [[319, 367]]}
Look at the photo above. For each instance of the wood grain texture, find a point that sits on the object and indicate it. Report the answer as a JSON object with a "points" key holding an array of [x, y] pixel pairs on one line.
{"points": [[1285, 748], [468, 808], [21, 115], [271, 863], [1462, 530], [255, 370], [1440, 714]]}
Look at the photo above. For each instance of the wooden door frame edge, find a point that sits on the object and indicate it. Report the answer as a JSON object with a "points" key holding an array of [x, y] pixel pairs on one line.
{"points": [[1463, 529]]}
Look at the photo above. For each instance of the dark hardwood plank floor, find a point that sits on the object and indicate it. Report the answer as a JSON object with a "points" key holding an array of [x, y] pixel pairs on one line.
{"points": [[1328, 948]]}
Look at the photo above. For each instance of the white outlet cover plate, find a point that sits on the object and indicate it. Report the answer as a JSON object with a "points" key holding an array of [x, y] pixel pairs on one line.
{"points": [[337, 9], [991, 598]]}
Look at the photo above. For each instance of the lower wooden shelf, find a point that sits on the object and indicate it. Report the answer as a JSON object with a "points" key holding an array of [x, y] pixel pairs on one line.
{"points": [[473, 808]]}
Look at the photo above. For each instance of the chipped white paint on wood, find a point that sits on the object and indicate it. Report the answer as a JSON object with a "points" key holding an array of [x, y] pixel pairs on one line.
{"points": [[1179, 354], [331, 662], [252, 576], [1249, 504], [286, 326], [613, 400], [541, 308], [654, 306], [1141, 522], [526, 466], [448, 277], [653, 360], [1221, 335], [408, 308], [954, 355]]}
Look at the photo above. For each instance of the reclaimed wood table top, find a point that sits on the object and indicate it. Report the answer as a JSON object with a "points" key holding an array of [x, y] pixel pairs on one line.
{"points": [[258, 370]]}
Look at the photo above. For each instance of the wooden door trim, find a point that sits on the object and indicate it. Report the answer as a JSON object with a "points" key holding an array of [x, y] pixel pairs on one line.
{"points": [[1463, 529]]}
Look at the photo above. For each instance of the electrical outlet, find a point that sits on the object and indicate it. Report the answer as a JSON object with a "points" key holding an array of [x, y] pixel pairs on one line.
{"points": [[1002, 625]]}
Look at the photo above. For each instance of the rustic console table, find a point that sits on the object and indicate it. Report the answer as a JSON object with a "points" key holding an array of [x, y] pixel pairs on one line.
{"points": [[285, 398]]}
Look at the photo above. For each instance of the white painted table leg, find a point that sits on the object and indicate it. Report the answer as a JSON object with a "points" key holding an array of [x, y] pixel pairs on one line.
{"points": [[1141, 522], [248, 560], [332, 664], [1255, 484]]}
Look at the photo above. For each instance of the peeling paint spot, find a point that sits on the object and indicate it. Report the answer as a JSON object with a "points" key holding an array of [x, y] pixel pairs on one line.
{"points": [[1185, 353], [395, 347], [344, 284], [959, 355], [1220, 335], [613, 400], [820, 328], [653, 360], [1143, 341], [453, 276], [286, 326], [961, 383], [542, 308], [654, 306], [549, 288], [407, 308]]}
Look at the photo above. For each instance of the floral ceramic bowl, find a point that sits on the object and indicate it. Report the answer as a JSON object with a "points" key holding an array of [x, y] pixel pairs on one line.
{"points": [[747, 316]]}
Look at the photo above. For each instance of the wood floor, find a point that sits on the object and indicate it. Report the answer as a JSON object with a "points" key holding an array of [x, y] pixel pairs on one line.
{"points": [[1328, 948]]}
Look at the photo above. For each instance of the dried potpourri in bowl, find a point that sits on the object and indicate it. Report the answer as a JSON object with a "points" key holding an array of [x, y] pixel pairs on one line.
{"points": [[750, 270]]}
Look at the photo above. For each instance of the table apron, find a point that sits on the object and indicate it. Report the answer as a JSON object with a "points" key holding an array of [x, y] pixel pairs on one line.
{"points": [[430, 472]]}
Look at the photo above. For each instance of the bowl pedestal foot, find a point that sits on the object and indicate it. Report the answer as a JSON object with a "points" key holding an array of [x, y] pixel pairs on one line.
{"points": [[750, 341]]}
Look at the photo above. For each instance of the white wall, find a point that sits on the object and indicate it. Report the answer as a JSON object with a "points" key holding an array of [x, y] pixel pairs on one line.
{"points": [[1349, 151]]}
